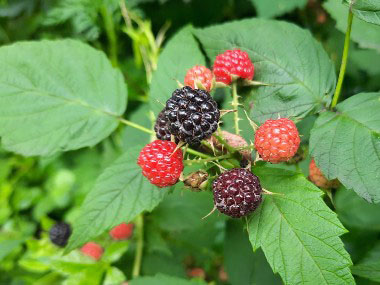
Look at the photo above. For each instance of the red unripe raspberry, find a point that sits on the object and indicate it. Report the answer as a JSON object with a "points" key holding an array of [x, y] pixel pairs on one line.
{"points": [[92, 250], [316, 176], [122, 231], [199, 74], [277, 140], [233, 63], [196, 273], [159, 164]]}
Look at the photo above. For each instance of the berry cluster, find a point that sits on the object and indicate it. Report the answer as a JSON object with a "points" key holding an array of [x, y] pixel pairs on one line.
{"points": [[191, 115], [60, 233]]}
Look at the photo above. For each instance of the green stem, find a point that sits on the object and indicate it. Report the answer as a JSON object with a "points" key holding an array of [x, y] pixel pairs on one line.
{"points": [[190, 162], [136, 126], [235, 104], [139, 247], [200, 154], [344, 60], [111, 34], [229, 148]]}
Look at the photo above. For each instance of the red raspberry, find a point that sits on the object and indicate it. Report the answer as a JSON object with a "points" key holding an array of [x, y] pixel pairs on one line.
{"points": [[92, 250], [277, 140], [233, 63], [196, 273], [159, 164], [122, 231], [199, 74], [317, 177]]}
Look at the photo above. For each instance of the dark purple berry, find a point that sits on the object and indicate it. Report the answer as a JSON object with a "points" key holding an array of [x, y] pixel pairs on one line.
{"points": [[161, 127], [60, 233], [237, 192]]}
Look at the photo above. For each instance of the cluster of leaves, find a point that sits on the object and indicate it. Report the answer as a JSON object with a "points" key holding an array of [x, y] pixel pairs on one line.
{"points": [[62, 103]]}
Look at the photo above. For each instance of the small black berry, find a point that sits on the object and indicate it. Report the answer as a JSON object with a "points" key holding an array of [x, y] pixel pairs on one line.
{"points": [[191, 115], [237, 192], [60, 233], [161, 127]]}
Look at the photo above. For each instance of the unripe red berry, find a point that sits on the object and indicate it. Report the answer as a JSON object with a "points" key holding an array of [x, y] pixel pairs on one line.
{"points": [[277, 140], [122, 231], [92, 250], [160, 164], [199, 76], [232, 64]]}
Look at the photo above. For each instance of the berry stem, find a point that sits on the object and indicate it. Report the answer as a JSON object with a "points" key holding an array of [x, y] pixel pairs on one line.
{"points": [[200, 154], [192, 161], [235, 104], [223, 142], [344, 59], [139, 247], [136, 126]]}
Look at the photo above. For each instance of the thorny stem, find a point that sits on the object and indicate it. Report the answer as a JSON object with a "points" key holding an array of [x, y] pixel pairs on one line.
{"points": [[111, 34], [200, 154], [344, 59], [235, 104], [139, 247], [193, 161], [224, 143]]}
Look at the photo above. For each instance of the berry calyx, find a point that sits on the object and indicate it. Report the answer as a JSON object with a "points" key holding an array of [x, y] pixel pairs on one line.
{"points": [[59, 234], [192, 115], [160, 164], [316, 176], [233, 64], [122, 231], [277, 140], [199, 77], [237, 192], [92, 250]]}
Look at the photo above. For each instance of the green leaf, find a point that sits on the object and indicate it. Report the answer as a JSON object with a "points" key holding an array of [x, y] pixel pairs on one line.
{"points": [[354, 212], [57, 96], [161, 279], [120, 193], [301, 76], [298, 233], [363, 33], [242, 265], [114, 276], [346, 144], [367, 10], [369, 267], [180, 54], [274, 8]]}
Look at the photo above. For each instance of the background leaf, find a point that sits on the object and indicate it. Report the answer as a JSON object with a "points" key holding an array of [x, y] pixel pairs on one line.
{"points": [[273, 8], [367, 10], [120, 194], [365, 34], [298, 233], [71, 102], [180, 54], [346, 144], [161, 279], [301, 76], [354, 212], [369, 267]]}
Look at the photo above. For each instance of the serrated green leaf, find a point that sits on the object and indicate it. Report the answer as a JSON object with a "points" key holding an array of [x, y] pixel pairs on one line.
{"points": [[273, 8], [161, 279], [367, 10], [57, 96], [369, 267], [346, 144], [354, 212], [301, 76], [120, 193], [180, 54], [363, 33], [114, 276], [298, 233]]}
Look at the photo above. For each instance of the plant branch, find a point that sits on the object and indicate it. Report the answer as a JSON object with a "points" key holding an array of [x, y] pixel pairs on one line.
{"points": [[139, 247], [136, 126], [235, 104], [192, 161], [229, 148], [344, 59], [111, 34]]}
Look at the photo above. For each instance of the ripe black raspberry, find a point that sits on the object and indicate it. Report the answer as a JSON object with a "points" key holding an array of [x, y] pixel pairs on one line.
{"points": [[237, 192], [60, 233], [192, 115], [161, 127]]}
